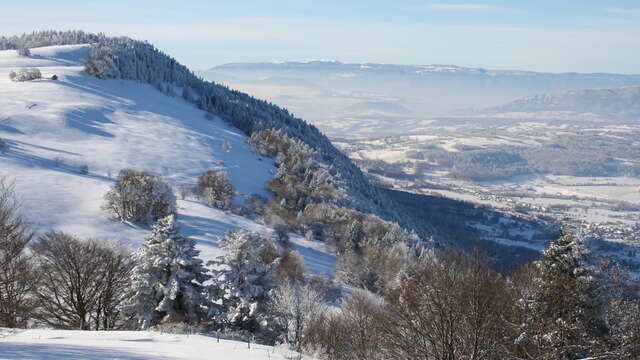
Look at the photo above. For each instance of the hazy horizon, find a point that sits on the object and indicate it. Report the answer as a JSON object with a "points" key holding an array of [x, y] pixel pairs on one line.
{"points": [[545, 36]]}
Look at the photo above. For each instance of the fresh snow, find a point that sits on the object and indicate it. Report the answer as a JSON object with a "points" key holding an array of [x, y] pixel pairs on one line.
{"points": [[52, 128], [45, 344]]}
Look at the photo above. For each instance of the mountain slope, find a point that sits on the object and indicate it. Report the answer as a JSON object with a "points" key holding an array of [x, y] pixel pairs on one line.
{"points": [[127, 59], [54, 128]]}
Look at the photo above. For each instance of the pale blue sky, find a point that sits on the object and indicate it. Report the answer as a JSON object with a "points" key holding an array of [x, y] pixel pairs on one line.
{"points": [[540, 35]]}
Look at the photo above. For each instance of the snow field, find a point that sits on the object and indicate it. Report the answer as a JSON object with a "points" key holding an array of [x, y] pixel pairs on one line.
{"points": [[46, 344]]}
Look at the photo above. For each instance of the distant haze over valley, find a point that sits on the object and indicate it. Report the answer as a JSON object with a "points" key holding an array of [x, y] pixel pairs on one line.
{"points": [[362, 100], [558, 144]]}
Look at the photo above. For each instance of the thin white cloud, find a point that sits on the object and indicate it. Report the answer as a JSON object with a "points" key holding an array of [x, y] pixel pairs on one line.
{"points": [[446, 7], [621, 11]]}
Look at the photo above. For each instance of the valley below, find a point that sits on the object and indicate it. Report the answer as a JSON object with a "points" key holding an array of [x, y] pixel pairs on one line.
{"points": [[554, 150], [565, 173]]}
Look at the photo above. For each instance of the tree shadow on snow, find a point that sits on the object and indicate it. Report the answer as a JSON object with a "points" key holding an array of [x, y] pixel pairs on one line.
{"points": [[88, 121], [10, 129], [318, 262], [22, 351], [18, 150]]}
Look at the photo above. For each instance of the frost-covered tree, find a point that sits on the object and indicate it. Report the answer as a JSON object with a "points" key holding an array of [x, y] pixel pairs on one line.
{"points": [[139, 197], [293, 306], [622, 311], [374, 267], [564, 305], [302, 177], [48, 38], [355, 235], [25, 74], [242, 280], [167, 282], [216, 188], [23, 50]]}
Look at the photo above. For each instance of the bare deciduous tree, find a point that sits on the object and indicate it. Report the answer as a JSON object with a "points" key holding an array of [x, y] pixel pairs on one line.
{"points": [[351, 333], [117, 266], [17, 276], [216, 188], [291, 266], [83, 282], [449, 307]]}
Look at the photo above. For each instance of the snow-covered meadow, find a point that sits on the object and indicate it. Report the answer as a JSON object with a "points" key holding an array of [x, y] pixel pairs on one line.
{"points": [[43, 344]]}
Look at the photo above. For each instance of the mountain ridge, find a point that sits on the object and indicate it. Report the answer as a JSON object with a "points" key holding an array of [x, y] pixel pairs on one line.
{"points": [[623, 102], [417, 68]]}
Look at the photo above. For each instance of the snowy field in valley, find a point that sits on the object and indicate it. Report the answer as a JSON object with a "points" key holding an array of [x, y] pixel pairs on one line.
{"points": [[128, 345], [54, 128]]}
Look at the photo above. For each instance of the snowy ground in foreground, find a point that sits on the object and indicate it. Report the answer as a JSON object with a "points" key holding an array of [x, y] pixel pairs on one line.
{"points": [[109, 125], [128, 345]]}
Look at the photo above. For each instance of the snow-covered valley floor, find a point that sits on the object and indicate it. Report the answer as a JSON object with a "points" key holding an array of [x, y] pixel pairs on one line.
{"points": [[43, 344]]}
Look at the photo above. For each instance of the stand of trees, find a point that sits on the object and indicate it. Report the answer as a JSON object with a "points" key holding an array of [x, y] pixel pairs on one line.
{"points": [[25, 74], [423, 305], [216, 188], [452, 305]]}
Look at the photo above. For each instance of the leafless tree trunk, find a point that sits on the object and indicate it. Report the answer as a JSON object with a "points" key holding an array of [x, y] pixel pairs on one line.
{"points": [[116, 266], [448, 308], [72, 277], [17, 276]]}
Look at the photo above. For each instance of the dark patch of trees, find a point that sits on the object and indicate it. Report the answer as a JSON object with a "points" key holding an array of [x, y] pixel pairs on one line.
{"points": [[215, 188]]}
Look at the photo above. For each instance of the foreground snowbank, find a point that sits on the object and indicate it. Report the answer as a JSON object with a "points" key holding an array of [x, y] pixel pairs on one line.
{"points": [[129, 345]]}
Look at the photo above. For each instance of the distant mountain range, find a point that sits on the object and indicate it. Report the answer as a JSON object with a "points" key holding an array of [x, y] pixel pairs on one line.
{"points": [[534, 81], [363, 100], [620, 103]]}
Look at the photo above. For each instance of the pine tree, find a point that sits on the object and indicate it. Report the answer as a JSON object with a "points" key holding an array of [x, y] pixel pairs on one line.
{"points": [[167, 280], [243, 278], [355, 235], [566, 304]]}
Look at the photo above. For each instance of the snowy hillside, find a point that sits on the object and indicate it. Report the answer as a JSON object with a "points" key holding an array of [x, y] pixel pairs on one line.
{"points": [[53, 129], [129, 345]]}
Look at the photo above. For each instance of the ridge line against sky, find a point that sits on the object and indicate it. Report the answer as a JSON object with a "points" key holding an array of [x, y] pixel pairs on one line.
{"points": [[594, 36]]}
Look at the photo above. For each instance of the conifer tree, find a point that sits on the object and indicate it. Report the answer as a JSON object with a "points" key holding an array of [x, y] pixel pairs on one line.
{"points": [[242, 279], [566, 305], [167, 282]]}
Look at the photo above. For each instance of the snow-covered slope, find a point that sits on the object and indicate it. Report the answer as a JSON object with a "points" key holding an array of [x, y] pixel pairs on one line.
{"points": [[129, 345], [54, 128]]}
